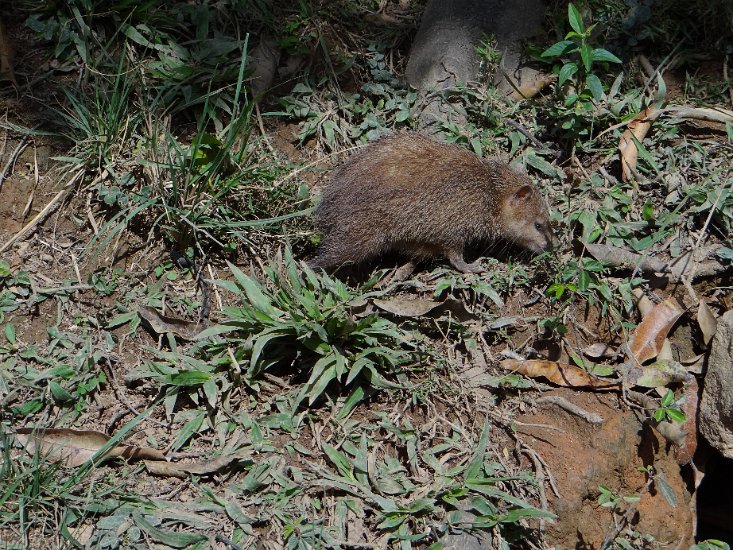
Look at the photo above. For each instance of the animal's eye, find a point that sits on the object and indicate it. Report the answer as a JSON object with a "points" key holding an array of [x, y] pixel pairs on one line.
{"points": [[538, 226]]}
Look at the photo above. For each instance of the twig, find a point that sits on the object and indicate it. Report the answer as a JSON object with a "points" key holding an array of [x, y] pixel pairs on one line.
{"points": [[13, 157], [312, 164], [524, 131], [572, 408], [262, 129], [60, 196], [221, 538]]}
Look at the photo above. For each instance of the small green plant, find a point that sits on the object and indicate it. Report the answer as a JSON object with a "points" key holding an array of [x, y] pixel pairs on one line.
{"points": [[307, 317], [611, 499], [578, 58], [583, 278], [576, 63], [15, 289], [669, 410], [337, 120]]}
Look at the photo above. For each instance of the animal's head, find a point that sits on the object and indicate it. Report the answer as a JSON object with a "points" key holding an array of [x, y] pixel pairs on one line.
{"points": [[525, 218]]}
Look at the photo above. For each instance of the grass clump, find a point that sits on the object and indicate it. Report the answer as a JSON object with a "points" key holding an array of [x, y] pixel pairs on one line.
{"points": [[299, 317]]}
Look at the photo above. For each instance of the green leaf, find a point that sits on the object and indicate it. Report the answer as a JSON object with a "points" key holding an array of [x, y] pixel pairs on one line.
{"points": [[567, 71], [575, 20], [10, 333], [121, 319], [644, 154], [667, 491], [475, 467], [357, 395], [342, 464], [604, 56], [133, 34], [59, 393], [676, 415], [170, 538], [536, 161], [559, 49], [647, 212], [254, 293], [187, 378], [261, 343], [586, 54], [593, 83], [189, 428], [583, 280], [661, 91]]}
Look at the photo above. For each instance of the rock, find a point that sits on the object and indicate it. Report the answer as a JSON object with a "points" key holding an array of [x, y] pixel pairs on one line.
{"points": [[581, 456], [443, 52], [716, 405]]}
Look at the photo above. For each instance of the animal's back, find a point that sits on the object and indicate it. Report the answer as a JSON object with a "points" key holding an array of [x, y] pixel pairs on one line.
{"points": [[410, 193]]}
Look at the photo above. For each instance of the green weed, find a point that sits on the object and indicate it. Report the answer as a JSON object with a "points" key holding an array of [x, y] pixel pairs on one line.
{"points": [[576, 63], [300, 316]]}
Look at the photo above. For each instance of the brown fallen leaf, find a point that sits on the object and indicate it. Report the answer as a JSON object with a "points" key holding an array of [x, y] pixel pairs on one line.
{"points": [[207, 467], [708, 323], [186, 330], [75, 447], [561, 374], [659, 374], [6, 56], [419, 307], [648, 338], [637, 128], [599, 350], [530, 88]]}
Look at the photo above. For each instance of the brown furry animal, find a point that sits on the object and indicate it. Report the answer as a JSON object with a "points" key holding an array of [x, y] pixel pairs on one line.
{"points": [[409, 193]]}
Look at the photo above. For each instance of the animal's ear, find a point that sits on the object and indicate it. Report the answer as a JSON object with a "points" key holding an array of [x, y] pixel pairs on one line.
{"points": [[522, 194]]}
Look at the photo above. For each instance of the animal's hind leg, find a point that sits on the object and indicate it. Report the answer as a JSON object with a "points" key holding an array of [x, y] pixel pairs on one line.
{"points": [[455, 257]]}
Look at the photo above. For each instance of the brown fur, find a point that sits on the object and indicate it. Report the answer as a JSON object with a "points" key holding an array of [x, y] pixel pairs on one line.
{"points": [[409, 193]]}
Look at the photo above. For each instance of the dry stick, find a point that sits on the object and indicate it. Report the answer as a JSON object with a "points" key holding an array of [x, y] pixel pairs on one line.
{"points": [[312, 164], [262, 129], [687, 281], [13, 157], [524, 131], [572, 408], [61, 195], [36, 179], [540, 477]]}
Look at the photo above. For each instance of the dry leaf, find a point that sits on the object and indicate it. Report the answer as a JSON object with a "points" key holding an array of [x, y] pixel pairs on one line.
{"points": [[599, 350], [418, 308], [658, 374], [206, 467], [187, 330], [532, 87], [649, 336], [561, 374], [637, 128], [706, 320], [75, 447]]}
